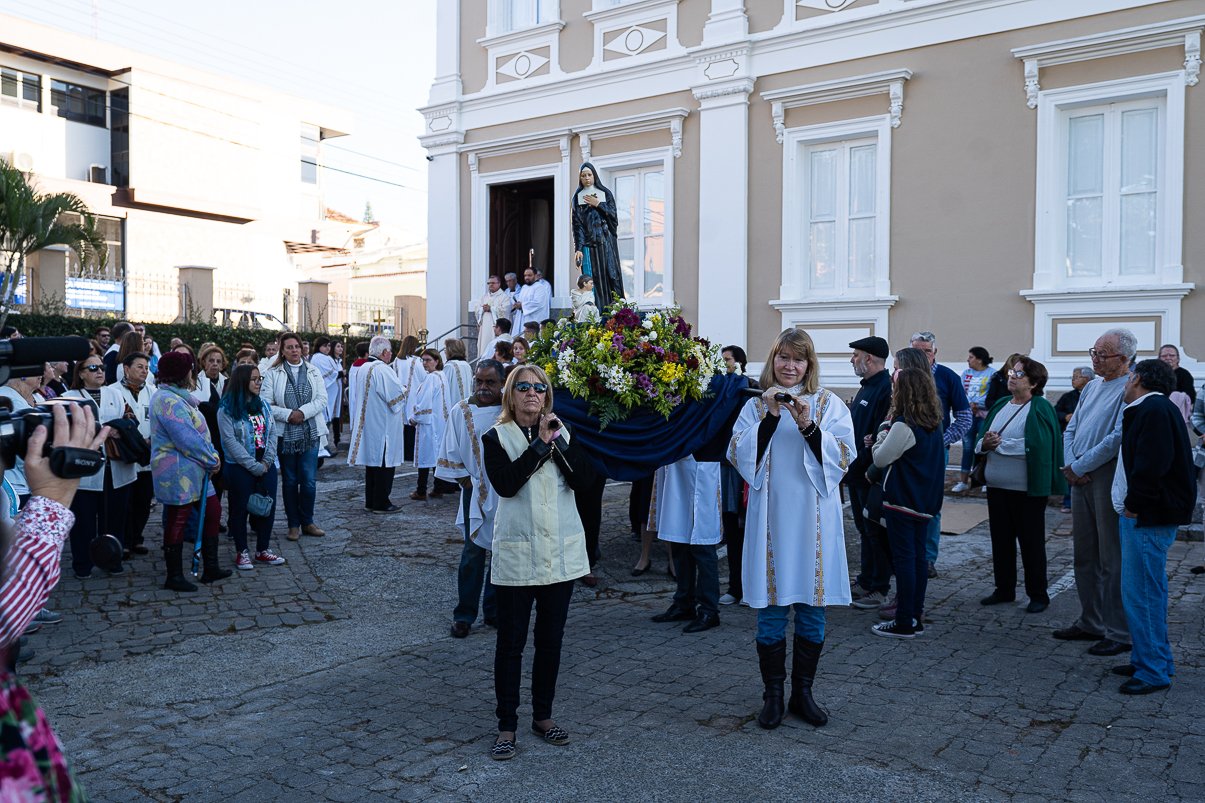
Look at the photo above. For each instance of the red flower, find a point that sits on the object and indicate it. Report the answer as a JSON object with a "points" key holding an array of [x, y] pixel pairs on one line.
{"points": [[692, 363], [628, 354], [671, 356]]}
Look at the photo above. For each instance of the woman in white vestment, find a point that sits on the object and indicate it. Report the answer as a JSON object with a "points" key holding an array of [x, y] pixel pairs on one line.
{"points": [[330, 368], [793, 446], [430, 418], [458, 375]]}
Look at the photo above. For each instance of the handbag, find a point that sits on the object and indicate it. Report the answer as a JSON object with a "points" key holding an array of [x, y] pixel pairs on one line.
{"points": [[260, 505], [978, 473], [872, 509]]}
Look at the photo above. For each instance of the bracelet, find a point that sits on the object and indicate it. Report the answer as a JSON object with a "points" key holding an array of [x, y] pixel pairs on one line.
{"points": [[809, 430]]}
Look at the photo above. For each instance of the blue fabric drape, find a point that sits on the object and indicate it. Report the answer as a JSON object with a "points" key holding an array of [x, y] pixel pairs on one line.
{"points": [[634, 448]]}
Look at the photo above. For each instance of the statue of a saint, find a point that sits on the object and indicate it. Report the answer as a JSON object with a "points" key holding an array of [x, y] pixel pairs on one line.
{"points": [[595, 223]]}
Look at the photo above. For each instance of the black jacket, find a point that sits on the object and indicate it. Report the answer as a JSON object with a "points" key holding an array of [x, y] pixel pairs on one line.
{"points": [[1158, 463], [868, 411]]}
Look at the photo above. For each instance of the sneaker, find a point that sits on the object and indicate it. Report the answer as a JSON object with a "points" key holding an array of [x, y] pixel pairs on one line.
{"points": [[918, 627], [269, 557], [868, 601], [983, 490], [960, 488], [727, 599], [893, 629], [32, 627], [887, 609], [242, 561], [47, 617]]}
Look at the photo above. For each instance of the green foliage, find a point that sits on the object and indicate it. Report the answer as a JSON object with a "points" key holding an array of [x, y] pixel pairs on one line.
{"points": [[194, 334]]}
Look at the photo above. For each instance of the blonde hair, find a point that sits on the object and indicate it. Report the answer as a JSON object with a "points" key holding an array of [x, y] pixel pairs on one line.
{"points": [[799, 343], [508, 392]]}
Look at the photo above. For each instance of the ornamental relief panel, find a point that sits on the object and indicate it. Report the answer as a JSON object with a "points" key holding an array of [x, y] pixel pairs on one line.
{"points": [[522, 65], [634, 40], [805, 9]]}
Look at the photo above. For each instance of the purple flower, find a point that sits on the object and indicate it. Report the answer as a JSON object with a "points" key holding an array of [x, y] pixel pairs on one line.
{"points": [[660, 352], [627, 318], [617, 340], [642, 381]]}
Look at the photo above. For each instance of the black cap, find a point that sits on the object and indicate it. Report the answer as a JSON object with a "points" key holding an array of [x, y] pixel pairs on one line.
{"points": [[876, 346]]}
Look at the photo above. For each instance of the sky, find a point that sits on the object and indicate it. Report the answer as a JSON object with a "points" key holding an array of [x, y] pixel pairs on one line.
{"points": [[375, 58]]}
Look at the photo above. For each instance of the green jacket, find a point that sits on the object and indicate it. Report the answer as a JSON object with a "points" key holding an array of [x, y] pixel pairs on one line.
{"points": [[1043, 446]]}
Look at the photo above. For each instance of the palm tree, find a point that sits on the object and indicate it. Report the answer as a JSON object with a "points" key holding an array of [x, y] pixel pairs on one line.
{"points": [[31, 221]]}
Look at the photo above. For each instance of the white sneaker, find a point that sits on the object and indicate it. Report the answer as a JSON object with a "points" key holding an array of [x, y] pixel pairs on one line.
{"points": [[960, 488], [727, 599], [983, 490], [242, 561]]}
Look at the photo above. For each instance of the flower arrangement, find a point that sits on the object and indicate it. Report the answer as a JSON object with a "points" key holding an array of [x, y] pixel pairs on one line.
{"points": [[628, 360]]}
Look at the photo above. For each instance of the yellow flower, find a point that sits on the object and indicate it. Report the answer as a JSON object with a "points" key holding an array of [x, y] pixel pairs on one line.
{"points": [[549, 368]]}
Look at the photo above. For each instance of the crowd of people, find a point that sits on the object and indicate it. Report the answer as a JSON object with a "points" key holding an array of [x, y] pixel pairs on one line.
{"points": [[189, 429]]}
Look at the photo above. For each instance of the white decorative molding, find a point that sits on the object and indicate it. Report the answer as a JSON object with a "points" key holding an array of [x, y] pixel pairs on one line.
{"points": [[843, 320], [513, 54], [1185, 33], [889, 82], [737, 91], [635, 124], [522, 65], [723, 76], [631, 20], [554, 138], [825, 5], [442, 127], [520, 38]]}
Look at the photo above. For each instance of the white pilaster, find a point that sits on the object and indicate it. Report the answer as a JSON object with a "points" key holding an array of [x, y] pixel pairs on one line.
{"points": [[447, 86], [727, 22], [723, 209], [443, 240]]}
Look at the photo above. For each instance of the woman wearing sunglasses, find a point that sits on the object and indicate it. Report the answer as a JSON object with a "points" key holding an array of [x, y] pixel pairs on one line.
{"points": [[539, 547]]}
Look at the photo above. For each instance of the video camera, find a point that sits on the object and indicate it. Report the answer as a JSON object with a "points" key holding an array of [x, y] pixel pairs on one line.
{"points": [[27, 356]]}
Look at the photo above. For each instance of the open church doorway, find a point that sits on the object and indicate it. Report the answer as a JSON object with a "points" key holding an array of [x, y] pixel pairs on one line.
{"points": [[521, 227]]}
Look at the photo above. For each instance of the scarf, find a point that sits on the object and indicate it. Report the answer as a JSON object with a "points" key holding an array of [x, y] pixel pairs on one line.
{"points": [[304, 436]]}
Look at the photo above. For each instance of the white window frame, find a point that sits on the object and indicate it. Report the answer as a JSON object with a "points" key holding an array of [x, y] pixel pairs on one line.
{"points": [[20, 101], [546, 11], [796, 273], [1054, 107], [663, 160]]}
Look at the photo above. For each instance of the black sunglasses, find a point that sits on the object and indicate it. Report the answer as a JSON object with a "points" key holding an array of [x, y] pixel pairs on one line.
{"points": [[538, 387], [93, 368]]}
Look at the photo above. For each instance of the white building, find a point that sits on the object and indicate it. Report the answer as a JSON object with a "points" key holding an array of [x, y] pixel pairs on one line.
{"points": [[186, 169]]}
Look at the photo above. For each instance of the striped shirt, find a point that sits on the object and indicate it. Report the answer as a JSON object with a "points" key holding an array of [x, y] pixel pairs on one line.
{"points": [[32, 564]]}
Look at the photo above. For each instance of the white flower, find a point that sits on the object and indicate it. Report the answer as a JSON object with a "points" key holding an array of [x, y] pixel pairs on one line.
{"points": [[652, 335], [647, 323]]}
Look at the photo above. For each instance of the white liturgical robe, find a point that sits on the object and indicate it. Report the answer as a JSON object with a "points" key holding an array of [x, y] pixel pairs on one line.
{"points": [[537, 305], [411, 374], [377, 431], [462, 457], [430, 419], [795, 531], [499, 304], [687, 503], [458, 377]]}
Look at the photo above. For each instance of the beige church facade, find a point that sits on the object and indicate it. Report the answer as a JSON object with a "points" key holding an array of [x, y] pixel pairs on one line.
{"points": [[1015, 174]]}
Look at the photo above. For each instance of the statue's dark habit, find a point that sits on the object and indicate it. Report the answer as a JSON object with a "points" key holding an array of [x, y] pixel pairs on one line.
{"points": [[595, 223]]}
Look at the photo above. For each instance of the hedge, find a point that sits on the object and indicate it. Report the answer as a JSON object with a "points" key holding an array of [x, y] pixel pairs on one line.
{"points": [[40, 325]]}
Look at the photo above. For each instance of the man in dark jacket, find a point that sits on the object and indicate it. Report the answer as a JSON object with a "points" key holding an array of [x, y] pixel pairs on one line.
{"points": [[869, 409], [1153, 493]]}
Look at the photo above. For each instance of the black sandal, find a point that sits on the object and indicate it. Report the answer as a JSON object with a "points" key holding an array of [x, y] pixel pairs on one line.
{"points": [[554, 735], [503, 749]]}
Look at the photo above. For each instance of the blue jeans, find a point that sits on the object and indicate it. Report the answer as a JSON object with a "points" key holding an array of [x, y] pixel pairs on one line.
{"points": [[772, 623], [473, 572], [933, 533], [907, 538], [1144, 596], [298, 472], [968, 444], [240, 484]]}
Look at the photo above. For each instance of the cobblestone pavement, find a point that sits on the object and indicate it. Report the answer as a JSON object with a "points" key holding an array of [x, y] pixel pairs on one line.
{"points": [[333, 678]]}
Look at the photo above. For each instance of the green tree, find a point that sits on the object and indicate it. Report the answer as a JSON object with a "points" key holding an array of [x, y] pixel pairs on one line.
{"points": [[31, 221], [368, 216]]}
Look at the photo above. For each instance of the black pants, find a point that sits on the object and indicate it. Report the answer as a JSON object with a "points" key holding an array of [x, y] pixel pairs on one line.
{"points": [[378, 484], [337, 429], [734, 537], [514, 615], [589, 509], [408, 433], [875, 574], [115, 509], [86, 506], [698, 571], [1015, 516], [142, 494], [639, 501]]}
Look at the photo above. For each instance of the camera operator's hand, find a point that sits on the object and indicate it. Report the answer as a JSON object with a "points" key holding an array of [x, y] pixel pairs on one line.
{"points": [[80, 433]]}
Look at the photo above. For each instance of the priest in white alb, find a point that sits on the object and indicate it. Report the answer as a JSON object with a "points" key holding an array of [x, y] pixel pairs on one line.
{"points": [[377, 439], [532, 303], [461, 462], [411, 374], [793, 446], [493, 305]]}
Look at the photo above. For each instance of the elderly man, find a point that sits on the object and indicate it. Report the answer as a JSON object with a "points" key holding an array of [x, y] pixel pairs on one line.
{"points": [[461, 462], [1090, 445], [377, 439], [1153, 494], [533, 301], [868, 410], [956, 420], [493, 306]]}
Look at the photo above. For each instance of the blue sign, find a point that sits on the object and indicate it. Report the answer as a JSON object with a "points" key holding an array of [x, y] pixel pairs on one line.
{"points": [[95, 294]]}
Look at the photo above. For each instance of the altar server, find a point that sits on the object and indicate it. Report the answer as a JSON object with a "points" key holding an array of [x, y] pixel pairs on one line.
{"points": [[461, 462], [410, 373], [376, 435], [430, 420], [686, 513], [792, 446]]}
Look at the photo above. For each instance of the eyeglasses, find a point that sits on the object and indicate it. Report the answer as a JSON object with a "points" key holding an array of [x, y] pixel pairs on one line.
{"points": [[538, 387], [256, 379], [1016, 374], [1096, 355], [93, 368]]}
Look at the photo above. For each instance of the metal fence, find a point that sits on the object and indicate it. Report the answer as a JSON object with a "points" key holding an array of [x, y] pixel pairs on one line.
{"points": [[360, 316], [154, 297]]}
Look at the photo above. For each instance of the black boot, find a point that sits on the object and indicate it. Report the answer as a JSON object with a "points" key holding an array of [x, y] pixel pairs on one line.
{"points": [[803, 672], [773, 661], [209, 558], [173, 557]]}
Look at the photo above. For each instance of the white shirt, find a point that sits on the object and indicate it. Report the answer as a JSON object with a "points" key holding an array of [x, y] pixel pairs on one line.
{"points": [[462, 457], [537, 300]]}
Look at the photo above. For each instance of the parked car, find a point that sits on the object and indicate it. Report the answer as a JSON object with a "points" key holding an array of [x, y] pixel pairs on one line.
{"points": [[246, 319]]}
